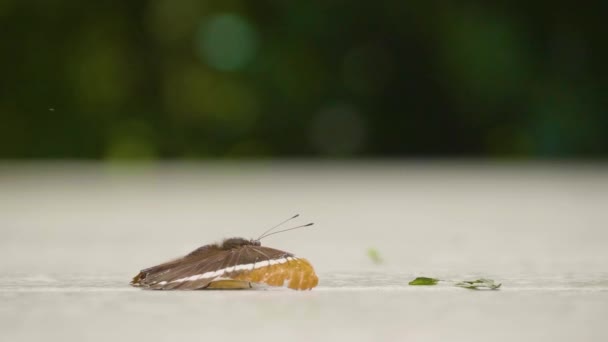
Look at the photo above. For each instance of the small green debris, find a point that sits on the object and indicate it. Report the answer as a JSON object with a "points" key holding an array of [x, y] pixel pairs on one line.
{"points": [[424, 281], [467, 284], [374, 256], [479, 283]]}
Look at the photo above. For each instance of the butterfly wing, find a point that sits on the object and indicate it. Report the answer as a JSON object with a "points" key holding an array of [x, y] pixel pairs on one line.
{"points": [[275, 268], [248, 263], [194, 271]]}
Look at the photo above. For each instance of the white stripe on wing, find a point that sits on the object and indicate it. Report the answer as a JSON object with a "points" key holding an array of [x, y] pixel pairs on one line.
{"points": [[249, 267]]}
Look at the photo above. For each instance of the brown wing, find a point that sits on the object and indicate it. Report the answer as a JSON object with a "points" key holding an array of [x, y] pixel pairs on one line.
{"points": [[178, 274], [247, 263]]}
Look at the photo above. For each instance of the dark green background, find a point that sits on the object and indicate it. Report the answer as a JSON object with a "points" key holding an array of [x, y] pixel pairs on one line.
{"points": [[228, 79]]}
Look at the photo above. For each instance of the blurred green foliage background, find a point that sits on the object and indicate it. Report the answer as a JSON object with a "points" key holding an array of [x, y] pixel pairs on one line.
{"points": [[149, 79]]}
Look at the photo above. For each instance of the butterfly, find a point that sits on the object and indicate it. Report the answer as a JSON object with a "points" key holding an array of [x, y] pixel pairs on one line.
{"points": [[231, 264]]}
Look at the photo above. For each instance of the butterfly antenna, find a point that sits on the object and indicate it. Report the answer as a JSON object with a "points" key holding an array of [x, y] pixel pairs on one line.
{"points": [[284, 230], [278, 225]]}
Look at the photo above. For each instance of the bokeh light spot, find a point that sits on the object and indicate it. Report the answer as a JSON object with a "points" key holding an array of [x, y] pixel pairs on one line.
{"points": [[197, 95], [131, 140], [226, 42], [100, 72], [170, 23], [484, 54], [562, 120]]}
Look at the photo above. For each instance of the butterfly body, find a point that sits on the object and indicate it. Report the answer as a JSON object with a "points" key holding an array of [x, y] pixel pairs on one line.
{"points": [[233, 263]]}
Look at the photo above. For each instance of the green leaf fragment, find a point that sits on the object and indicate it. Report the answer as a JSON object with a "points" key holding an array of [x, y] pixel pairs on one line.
{"points": [[424, 281], [479, 283], [374, 255]]}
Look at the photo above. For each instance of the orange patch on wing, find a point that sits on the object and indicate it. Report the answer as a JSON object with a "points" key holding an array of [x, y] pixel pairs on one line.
{"points": [[299, 273]]}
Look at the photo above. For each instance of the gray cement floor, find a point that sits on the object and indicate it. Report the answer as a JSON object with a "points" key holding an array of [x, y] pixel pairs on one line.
{"points": [[72, 236]]}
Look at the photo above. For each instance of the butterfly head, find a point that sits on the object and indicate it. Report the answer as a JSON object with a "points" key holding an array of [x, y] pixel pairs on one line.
{"points": [[233, 243], [238, 242]]}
